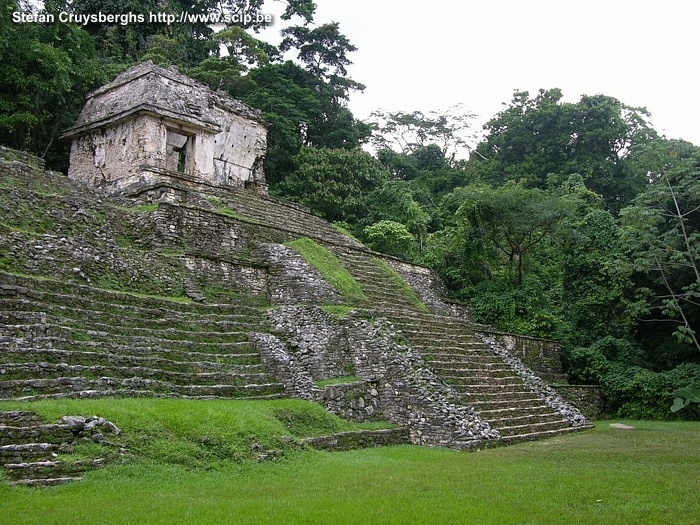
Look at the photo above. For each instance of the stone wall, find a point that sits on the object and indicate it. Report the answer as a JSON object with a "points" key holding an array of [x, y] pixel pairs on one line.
{"points": [[587, 398], [394, 380], [114, 157], [543, 356]]}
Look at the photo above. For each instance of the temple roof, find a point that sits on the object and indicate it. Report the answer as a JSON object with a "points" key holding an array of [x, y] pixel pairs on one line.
{"points": [[150, 89]]}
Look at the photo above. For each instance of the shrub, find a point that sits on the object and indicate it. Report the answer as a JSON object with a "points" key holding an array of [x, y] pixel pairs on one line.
{"points": [[639, 393]]}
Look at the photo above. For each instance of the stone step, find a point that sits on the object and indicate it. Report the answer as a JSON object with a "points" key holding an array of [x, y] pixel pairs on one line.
{"points": [[18, 358], [89, 297], [539, 434], [456, 374], [153, 347], [529, 428], [473, 395], [50, 469], [520, 421], [121, 324], [76, 306], [44, 433], [127, 392], [192, 362], [83, 387], [131, 335], [467, 359], [23, 452], [451, 339], [526, 403], [239, 375], [360, 439], [482, 379], [42, 482], [19, 418], [494, 414]]}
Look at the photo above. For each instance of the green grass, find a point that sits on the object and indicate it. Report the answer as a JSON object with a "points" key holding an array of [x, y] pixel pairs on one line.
{"points": [[138, 209], [389, 273], [648, 475], [339, 311], [338, 381], [344, 231], [228, 212], [330, 268]]}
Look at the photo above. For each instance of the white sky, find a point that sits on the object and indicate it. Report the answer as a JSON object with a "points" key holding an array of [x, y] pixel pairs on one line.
{"points": [[432, 55]]}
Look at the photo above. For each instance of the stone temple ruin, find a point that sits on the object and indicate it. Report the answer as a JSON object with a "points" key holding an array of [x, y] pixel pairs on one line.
{"points": [[152, 124], [160, 267]]}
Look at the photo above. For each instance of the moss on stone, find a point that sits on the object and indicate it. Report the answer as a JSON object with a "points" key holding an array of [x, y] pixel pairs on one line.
{"points": [[330, 267], [409, 294]]}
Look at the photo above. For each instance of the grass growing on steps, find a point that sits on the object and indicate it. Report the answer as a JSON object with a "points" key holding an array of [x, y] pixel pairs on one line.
{"points": [[409, 294], [647, 475], [339, 311], [338, 381], [223, 210], [199, 433], [330, 268]]}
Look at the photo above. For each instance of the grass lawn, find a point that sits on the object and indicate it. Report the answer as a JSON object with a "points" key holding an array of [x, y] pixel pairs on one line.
{"points": [[646, 475]]}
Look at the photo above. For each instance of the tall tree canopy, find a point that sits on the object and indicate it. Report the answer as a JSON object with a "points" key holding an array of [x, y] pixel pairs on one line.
{"points": [[543, 140]]}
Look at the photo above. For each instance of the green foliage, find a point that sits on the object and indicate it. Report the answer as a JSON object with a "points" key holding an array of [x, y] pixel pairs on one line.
{"points": [[595, 287], [589, 365], [339, 311], [391, 208], [338, 381], [47, 70], [684, 397], [432, 139], [662, 241], [511, 220], [529, 308], [330, 268], [641, 393], [323, 49], [390, 237], [543, 140], [332, 182]]}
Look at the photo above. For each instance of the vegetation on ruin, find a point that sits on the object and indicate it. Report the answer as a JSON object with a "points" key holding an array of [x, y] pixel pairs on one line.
{"points": [[574, 221], [201, 462], [330, 268], [404, 288]]}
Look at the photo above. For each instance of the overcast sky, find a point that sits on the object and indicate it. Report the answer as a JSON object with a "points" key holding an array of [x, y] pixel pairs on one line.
{"points": [[435, 54]]}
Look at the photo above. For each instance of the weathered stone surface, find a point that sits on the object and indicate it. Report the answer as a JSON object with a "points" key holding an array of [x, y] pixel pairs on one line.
{"points": [[395, 382], [538, 386], [224, 246], [153, 124], [587, 398]]}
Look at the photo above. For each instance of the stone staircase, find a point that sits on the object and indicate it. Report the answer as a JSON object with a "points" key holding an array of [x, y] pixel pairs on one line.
{"points": [[285, 215], [60, 338], [481, 378], [90, 342], [31, 450]]}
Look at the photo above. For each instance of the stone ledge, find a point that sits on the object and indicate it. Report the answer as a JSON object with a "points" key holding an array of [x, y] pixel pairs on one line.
{"points": [[360, 439]]}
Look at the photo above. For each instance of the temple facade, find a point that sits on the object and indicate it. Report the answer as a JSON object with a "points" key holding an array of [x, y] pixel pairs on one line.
{"points": [[153, 124]]}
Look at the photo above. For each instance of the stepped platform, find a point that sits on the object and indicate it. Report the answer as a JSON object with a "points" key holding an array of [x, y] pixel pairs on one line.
{"points": [[92, 342], [480, 378], [484, 381], [74, 336], [31, 450]]}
